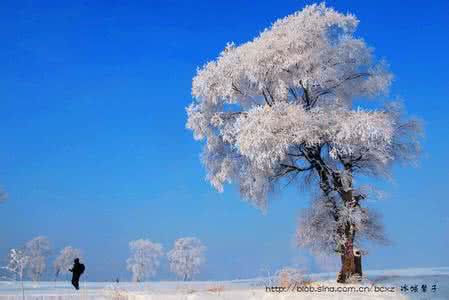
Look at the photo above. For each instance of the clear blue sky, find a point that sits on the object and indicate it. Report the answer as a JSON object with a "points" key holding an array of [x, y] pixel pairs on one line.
{"points": [[94, 150]]}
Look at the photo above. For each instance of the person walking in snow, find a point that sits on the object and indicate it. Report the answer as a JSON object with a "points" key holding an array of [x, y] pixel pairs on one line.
{"points": [[77, 270]]}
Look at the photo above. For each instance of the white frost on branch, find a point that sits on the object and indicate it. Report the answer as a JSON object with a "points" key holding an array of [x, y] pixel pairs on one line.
{"points": [[318, 228], [64, 260], [144, 259], [186, 257], [265, 134]]}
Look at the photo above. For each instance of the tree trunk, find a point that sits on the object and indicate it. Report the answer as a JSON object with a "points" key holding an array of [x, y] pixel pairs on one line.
{"points": [[351, 261], [23, 289], [358, 262], [351, 264]]}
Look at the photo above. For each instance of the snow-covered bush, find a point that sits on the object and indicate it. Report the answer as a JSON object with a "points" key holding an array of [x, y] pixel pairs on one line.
{"points": [[115, 293], [288, 276]]}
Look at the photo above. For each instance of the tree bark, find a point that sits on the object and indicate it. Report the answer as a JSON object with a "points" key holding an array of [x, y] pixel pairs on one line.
{"points": [[329, 182], [351, 264], [358, 262], [351, 259]]}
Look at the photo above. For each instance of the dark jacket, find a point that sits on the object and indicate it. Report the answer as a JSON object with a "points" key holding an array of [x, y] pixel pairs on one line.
{"points": [[77, 269]]}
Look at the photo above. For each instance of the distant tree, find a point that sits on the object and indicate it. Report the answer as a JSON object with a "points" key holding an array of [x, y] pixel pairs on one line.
{"points": [[38, 249], [280, 109], [17, 263], [65, 259], [144, 259], [3, 196], [186, 257]]}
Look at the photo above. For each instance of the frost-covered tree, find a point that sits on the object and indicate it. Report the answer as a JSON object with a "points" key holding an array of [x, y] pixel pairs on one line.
{"points": [[144, 259], [281, 108], [65, 259], [186, 257], [17, 263], [38, 249]]}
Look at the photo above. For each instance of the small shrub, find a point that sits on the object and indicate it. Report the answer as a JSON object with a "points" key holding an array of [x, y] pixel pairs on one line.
{"points": [[216, 289], [114, 293], [289, 276]]}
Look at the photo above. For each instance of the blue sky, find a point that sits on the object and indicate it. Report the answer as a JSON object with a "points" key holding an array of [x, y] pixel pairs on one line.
{"points": [[95, 153]]}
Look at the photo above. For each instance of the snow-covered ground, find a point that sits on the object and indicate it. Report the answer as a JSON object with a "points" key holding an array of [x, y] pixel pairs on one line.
{"points": [[437, 278]]}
